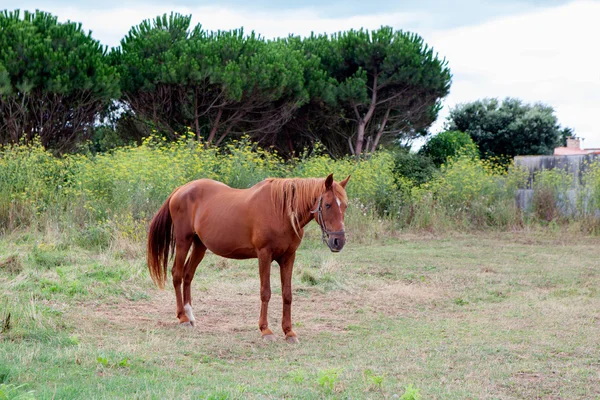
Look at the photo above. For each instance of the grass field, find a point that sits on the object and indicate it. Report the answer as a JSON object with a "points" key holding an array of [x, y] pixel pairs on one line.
{"points": [[498, 316]]}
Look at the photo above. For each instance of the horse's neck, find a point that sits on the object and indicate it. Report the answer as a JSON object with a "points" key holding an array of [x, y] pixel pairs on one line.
{"points": [[307, 216]]}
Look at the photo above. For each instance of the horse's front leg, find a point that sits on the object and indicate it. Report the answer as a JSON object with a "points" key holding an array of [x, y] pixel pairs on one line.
{"points": [[264, 268], [286, 263]]}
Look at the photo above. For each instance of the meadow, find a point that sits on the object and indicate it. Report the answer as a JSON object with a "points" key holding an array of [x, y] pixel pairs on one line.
{"points": [[444, 290], [495, 315]]}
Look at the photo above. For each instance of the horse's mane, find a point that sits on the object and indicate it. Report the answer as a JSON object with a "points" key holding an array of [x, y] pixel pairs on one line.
{"points": [[294, 197]]}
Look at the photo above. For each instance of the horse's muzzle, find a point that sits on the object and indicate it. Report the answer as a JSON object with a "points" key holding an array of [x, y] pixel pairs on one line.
{"points": [[336, 242]]}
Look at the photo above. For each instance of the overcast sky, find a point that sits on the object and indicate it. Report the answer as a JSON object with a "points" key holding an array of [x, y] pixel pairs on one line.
{"points": [[535, 50]]}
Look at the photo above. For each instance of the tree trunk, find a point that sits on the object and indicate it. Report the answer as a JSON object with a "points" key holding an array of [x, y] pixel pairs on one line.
{"points": [[224, 135], [351, 146], [215, 127], [360, 138], [196, 117], [363, 121], [380, 132]]}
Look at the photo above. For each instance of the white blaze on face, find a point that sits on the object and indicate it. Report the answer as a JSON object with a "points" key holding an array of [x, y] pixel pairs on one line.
{"points": [[339, 203], [189, 312]]}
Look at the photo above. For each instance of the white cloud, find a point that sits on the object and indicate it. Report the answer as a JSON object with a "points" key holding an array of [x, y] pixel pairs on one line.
{"points": [[549, 55], [546, 55]]}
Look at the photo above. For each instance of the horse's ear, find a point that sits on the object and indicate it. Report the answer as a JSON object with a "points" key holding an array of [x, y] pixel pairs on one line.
{"points": [[345, 182], [329, 182]]}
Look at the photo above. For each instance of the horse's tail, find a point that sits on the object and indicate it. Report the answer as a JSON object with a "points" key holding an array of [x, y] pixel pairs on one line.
{"points": [[160, 241]]}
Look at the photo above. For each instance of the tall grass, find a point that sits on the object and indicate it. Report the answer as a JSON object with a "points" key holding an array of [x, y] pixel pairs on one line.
{"points": [[98, 197]]}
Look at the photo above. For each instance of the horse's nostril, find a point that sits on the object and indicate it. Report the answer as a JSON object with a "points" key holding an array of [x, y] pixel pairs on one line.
{"points": [[335, 242]]}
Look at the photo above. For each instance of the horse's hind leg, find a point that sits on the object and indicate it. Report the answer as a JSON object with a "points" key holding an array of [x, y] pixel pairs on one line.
{"points": [[182, 247], [196, 256]]}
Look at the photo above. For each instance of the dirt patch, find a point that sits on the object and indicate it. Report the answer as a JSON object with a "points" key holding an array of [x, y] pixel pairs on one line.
{"points": [[233, 309], [529, 376]]}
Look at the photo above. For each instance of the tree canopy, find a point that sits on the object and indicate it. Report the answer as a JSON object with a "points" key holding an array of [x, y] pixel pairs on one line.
{"points": [[215, 82], [54, 80], [508, 128], [352, 90], [369, 87]]}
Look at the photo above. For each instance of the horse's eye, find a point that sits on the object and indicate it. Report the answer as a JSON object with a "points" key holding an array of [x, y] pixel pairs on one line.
{"points": [[327, 205]]}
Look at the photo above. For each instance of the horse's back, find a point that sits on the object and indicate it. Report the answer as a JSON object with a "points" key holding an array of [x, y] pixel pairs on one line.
{"points": [[225, 219]]}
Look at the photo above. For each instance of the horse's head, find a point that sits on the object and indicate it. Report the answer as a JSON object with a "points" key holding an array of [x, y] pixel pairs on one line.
{"points": [[329, 213]]}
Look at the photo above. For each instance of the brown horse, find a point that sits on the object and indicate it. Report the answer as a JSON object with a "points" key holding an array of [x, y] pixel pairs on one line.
{"points": [[265, 221]]}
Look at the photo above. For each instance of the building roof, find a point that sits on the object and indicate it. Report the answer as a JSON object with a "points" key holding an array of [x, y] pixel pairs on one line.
{"points": [[568, 151]]}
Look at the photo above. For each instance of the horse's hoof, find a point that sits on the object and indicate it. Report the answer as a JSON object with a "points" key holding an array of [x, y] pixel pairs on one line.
{"points": [[269, 338], [189, 324], [292, 339]]}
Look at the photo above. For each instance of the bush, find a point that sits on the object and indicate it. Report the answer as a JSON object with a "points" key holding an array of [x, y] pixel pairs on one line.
{"points": [[468, 193], [417, 168], [449, 144], [130, 183], [99, 198], [551, 196]]}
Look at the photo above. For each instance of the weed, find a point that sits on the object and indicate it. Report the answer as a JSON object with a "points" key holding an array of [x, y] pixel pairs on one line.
{"points": [[297, 375], [106, 363], [219, 395], [411, 393], [102, 361], [373, 381], [328, 378], [460, 302]]}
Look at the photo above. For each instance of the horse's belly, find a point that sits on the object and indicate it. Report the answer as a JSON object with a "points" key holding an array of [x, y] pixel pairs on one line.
{"points": [[231, 244], [238, 253]]}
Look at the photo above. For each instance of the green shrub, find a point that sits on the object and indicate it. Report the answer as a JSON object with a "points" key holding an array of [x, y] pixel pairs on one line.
{"points": [[417, 168], [449, 144], [100, 198], [468, 192], [551, 198]]}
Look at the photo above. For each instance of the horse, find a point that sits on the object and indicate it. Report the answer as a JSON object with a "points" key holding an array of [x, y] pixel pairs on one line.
{"points": [[265, 221]]}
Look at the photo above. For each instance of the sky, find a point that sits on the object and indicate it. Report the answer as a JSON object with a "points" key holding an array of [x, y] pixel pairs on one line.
{"points": [[535, 50]]}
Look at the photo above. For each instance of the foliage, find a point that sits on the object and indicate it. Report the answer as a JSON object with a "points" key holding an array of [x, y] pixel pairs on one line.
{"points": [[417, 168], [54, 80], [551, 194], [449, 144], [469, 192], [351, 91], [509, 128], [218, 83], [328, 378], [106, 196], [130, 183], [411, 393], [592, 181], [370, 87]]}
